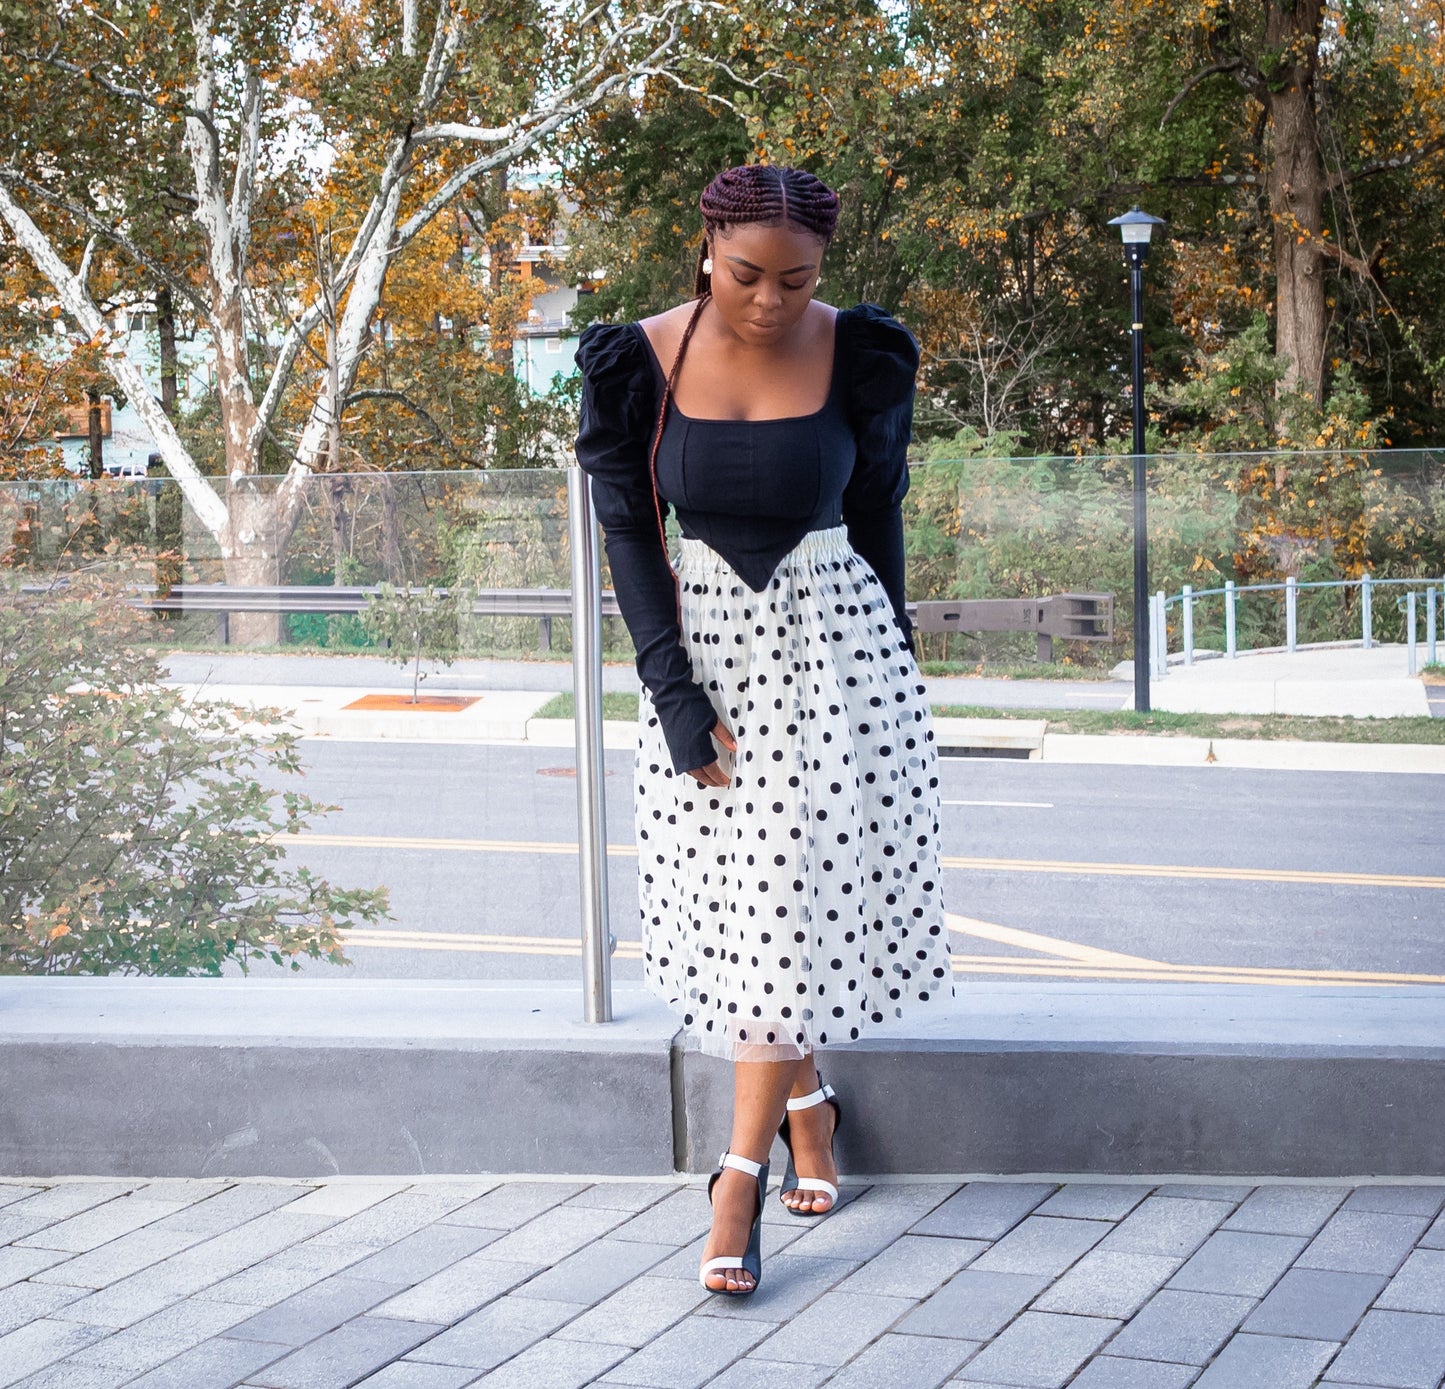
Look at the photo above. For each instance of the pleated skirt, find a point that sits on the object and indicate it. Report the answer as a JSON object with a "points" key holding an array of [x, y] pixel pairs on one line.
{"points": [[800, 905]]}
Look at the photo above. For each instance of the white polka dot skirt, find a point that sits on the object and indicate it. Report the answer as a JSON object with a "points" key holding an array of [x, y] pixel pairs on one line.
{"points": [[800, 905]]}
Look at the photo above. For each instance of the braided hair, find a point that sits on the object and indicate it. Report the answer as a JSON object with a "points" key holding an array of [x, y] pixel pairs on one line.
{"points": [[747, 195]]}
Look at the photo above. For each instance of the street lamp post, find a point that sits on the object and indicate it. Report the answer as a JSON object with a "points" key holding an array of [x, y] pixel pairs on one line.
{"points": [[1136, 227]]}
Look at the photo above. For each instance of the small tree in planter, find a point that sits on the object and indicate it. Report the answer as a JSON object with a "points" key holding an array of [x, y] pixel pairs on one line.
{"points": [[418, 623]]}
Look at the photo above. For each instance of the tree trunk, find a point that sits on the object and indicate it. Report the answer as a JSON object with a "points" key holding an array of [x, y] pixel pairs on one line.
{"points": [[166, 329], [1296, 186], [252, 553], [97, 436]]}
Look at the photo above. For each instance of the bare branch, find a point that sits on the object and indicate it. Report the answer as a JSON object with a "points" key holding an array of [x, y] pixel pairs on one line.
{"points": [[1385, 166], [1213, 70], [454, 130], [1367, 268]]}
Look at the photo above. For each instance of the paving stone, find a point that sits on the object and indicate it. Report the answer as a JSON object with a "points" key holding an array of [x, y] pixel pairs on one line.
{"points": [[1105, 1284], [1364, 1242], [498, 1332], [120, 1258], [422, 1253], [753, 1372], [65, 1199], [66, 1374], [790, 1283], [555, 1364], [513, 1204], [1205, 1191], [1042, 1244], [640, 1311], [344, 1199], [314, 1312], [691, 1353], [285, 1274], [552, 1236], [1179, 1326], [1267, 1362], [186, 1190], [27, 1302], [101, 1224], [1040, 1350], [237, 1248], [235, 1205], [1176, 1226], [984, 1210], [1233, 1261], [16, 1225], [19, 1264], [1419, 1286], [389, 1220], [1433, 1238], [867, 1225], [913, 1266], [1400, 1350], [596, 1271], [1315, 1304], [11, 1192], [835, 1328], [122, 1304], [40, 1343], [920, 1362], [1287, 1210], [1398, 1200], [447, 1296], [408, 1374], [972, 1306], [677, 1219], [156, 1339], [214, 1364], [625, 1196], [343, 1356], [1094, 1200], [1111, 1372]]}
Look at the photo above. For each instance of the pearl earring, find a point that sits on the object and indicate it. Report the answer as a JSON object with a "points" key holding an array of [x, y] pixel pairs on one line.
{"points": [[707, 265]]}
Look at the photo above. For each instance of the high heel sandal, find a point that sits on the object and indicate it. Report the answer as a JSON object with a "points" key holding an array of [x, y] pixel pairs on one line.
{"points": [[791, 1180], [751, 1262]]}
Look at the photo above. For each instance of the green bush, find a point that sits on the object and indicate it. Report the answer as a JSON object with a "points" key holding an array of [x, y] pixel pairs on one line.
{"points": [[137, 834]]}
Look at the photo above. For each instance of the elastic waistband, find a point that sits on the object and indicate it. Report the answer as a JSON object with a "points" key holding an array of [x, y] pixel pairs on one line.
{"points": [[829, 542]]}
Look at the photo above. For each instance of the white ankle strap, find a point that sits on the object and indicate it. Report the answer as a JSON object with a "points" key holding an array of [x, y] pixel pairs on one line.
{"points": [[819, 1096], [741, 1164]]}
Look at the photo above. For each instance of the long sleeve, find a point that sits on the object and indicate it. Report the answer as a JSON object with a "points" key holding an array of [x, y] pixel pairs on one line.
{"points": [[882, 362], [618, 413]]}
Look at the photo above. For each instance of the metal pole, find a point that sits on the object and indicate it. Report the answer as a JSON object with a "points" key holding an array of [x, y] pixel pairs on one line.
{"points": [[1414, 658], [1188, 624], [1141, 519], [1231, 642], [1160, 635], [1367, 623], [1431, 594], [587, 714], [1291, 613]]}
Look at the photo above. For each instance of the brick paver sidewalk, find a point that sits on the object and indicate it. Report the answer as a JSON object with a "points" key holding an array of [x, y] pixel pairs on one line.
{"points": [[403, 1284]]}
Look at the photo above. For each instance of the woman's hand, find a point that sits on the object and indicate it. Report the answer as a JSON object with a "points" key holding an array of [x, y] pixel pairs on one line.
{"points": [[713, 774]]}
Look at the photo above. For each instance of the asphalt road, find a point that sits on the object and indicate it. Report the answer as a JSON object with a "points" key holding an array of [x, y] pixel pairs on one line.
{"points": [[1052, 871]]}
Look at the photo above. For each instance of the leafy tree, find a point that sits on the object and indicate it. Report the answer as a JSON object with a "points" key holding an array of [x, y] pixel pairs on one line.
{"points": [[136, 835], [417, 623]]}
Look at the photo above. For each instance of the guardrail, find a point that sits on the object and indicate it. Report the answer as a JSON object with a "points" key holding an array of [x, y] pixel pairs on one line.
{"points": [[1188, 598]]}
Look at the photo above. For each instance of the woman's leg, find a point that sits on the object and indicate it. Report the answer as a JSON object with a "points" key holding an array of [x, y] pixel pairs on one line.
{"points": [[760, 1096], [811, 1133]]}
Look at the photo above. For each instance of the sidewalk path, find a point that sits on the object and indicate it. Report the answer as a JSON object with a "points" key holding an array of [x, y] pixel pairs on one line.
{"points": [[436, 1284]]}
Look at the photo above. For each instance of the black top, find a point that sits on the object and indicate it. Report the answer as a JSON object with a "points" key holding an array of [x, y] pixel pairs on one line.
{"points": [[749, 489]]}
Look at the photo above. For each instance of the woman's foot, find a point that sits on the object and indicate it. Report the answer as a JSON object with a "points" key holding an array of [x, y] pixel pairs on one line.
{"points": [[810, 1132], [734, 1206]]}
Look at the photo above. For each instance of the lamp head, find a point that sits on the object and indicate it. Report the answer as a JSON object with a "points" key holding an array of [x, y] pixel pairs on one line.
{"points": [[1136, 227]]}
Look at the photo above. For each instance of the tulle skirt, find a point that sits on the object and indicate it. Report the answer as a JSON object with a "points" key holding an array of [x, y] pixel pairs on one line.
{"points": [[800, 905]]}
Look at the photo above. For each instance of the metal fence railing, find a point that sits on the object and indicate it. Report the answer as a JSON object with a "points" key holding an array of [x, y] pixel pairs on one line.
{"points": [[1188, 599]]}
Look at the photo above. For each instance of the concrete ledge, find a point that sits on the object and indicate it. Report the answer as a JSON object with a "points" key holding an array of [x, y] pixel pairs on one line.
{"points": [[212, 1077], [320, 1077], [990, 735]]}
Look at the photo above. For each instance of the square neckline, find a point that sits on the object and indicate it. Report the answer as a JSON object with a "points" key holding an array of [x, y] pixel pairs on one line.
{"points": [[772, 419]]}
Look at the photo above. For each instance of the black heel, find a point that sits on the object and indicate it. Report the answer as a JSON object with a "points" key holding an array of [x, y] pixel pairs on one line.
{"points": [[751, 1261], [791, 1180]]}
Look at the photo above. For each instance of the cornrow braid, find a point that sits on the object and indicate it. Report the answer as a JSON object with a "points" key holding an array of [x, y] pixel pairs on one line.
{"points": [[765, 195]]}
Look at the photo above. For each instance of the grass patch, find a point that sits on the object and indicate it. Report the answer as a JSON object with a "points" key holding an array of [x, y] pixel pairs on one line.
{"points": [[1027, 670], [614, 706], [1282, 727], [1434, 673]]}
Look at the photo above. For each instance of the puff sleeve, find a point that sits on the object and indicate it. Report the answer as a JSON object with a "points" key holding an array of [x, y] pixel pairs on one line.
{"points": [[619, 407], [881, 363]]}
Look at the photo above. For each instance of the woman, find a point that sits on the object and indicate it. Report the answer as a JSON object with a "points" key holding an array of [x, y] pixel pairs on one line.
{"points": [[786, 796]]}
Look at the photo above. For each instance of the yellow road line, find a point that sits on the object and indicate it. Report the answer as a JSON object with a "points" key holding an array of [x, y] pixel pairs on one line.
{"points": [[1290, 876], [1048, 945]]}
